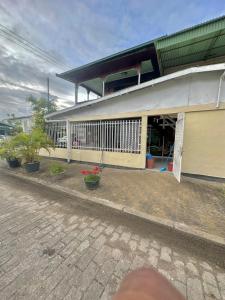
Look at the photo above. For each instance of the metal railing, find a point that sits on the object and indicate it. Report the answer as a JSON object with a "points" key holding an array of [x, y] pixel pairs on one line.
{"points": [[108, 135], [58, 133]]}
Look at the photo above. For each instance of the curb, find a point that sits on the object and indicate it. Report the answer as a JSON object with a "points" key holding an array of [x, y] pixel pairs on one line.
{"points": [[175, 226]]}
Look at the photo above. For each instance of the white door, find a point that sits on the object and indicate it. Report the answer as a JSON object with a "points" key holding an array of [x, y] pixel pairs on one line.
{"points": [[178, 146]]}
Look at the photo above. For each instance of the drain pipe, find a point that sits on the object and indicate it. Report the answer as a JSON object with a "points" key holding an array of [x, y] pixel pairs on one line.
{"points": [[219, 90]]}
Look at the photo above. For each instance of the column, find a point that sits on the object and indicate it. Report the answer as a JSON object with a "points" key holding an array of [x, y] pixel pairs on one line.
{"points": [[88, 94], [103, 87], [69, 142], [139, 74], [76, 92], [144, 127]]}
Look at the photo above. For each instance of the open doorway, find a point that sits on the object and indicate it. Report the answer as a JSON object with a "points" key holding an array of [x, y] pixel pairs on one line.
{"points": [[161, 139]]}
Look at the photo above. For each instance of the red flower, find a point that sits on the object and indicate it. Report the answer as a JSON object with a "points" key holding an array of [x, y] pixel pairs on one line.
{"points": [[85, 172], [96, 170]]}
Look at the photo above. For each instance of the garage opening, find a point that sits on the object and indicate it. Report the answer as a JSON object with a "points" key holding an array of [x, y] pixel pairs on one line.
{"points": [[160, 141]]}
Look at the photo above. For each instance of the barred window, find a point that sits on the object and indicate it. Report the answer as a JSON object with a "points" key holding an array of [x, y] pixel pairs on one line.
{"points": [[112, 135], [57, 132], [108, 135]]}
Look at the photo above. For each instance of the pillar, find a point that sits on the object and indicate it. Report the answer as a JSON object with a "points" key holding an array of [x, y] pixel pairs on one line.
{"points": [[69, 141], [139, 74], [103, 87], [76, 92], [88, 94], [144, 128]]}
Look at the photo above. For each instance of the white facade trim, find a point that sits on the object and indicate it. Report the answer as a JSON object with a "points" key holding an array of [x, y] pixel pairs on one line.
{"points": [[172, 76]]}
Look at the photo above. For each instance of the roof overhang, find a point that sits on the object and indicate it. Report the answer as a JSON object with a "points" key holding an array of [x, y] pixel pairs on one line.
{"points": [[195, 44], [119, 61]]}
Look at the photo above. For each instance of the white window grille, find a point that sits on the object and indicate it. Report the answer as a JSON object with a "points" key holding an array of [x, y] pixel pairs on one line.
{"points": [[110, 135], [57, 132]]}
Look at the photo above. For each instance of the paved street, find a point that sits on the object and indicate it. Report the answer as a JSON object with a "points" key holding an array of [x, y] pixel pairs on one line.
{"points": [[56, 247]]}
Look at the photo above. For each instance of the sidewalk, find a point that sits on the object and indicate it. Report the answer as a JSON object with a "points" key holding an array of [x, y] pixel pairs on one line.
{"points": [[198, 204]]}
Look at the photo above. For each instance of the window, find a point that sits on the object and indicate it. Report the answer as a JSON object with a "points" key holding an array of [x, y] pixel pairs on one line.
{"points": [[112, 135], [57, 132], [108, 135]]}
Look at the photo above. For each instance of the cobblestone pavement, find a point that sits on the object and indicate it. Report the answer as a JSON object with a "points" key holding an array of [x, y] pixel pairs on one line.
{"points": [[50, 249]]}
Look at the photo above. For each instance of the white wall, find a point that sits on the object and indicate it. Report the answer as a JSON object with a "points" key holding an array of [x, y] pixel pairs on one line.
{"points": [[195, 89]]}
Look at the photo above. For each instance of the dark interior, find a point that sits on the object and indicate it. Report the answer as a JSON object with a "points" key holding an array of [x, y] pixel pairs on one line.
{"points": [[161, 135]]}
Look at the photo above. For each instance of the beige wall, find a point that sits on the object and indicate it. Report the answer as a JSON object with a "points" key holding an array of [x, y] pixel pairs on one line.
{"points": [[111, 158], [204, 143], [57, 152]]}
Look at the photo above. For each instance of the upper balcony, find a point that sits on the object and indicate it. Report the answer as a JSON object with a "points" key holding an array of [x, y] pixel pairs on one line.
{"points": [[115, 72]]}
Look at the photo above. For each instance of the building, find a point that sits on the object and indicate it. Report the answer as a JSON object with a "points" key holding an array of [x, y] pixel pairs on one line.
{"points": [[5, 129], [25, 122], [165, 97]]}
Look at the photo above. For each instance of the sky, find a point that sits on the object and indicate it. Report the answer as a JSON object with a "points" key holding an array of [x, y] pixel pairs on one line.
{"points": [[75, 32]]}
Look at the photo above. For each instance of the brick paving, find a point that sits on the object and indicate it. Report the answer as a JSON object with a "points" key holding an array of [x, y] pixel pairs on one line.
{"points": [[50, 250]]}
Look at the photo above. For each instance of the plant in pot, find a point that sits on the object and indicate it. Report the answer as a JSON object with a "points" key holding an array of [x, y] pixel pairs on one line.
{"points": [[57, 169], [92, 178], [9, 151], [30, 145]]}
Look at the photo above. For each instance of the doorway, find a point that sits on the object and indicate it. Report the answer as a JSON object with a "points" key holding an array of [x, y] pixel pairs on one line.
{"points": [[161, 140]]}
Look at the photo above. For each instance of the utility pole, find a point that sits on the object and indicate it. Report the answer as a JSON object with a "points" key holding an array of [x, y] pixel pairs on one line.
{"points": [[48, 92], [48, 87]]}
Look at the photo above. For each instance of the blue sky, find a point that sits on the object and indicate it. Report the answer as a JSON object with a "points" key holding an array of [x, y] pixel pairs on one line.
{"points": [[77, 32]]}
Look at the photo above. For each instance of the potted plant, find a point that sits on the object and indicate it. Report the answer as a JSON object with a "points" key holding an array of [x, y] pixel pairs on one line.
{"points": [[57, 169], [92, 178], [30, 145], [9, 151]]}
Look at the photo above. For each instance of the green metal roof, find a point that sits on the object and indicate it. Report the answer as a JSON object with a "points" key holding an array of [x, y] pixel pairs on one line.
{"points": [[198, 43]]}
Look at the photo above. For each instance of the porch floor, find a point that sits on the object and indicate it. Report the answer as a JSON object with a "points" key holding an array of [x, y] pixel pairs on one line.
{"points": [[161, 162], [197, 203]]}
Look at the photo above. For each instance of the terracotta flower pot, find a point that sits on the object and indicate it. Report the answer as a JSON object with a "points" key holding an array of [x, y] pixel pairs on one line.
{"points": [[150, 163]]}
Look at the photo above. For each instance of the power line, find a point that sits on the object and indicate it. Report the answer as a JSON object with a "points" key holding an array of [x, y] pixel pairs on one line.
{"points": [[10, 34], [31, 89], [34, 49]]}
